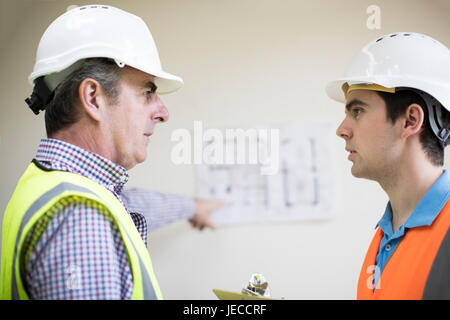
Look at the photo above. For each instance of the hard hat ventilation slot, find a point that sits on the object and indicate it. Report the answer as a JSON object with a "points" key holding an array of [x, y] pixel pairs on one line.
{"points": [[93, 7], [379, 40]]}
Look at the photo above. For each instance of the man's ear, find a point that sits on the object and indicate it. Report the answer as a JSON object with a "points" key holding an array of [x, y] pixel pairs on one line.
{"points": [[92, 98], [413, 121]]}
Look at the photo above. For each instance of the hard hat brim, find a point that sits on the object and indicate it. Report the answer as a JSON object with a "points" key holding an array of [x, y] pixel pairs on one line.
{"points": [[437, 90], [167, 82], [334, 90]]}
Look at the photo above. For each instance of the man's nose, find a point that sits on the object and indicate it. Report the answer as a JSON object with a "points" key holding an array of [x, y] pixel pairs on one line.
{"points": [[344, 131], [161, 114]]}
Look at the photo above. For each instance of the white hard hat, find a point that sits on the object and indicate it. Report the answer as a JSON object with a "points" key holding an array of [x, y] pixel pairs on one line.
{"points": [[402, 59], [99, 31]]}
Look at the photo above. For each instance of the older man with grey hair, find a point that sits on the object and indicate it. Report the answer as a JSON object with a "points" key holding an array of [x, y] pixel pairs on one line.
{"points": [[70, 230]]}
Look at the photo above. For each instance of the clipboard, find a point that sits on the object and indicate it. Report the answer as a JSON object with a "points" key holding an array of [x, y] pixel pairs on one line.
{"points": [[233, 295]]}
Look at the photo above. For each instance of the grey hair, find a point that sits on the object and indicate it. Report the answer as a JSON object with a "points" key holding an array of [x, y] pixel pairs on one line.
{"points": [[62, 110]]}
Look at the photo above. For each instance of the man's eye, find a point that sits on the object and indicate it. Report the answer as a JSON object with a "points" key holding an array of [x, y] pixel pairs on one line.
{"points": [[356, 112]]}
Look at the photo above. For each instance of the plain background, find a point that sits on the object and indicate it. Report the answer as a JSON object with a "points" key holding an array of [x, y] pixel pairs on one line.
{"points": [[244, 62]]}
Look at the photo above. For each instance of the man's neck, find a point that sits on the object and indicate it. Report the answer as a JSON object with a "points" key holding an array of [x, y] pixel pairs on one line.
{"points": [[85, 138], [408, 186]]}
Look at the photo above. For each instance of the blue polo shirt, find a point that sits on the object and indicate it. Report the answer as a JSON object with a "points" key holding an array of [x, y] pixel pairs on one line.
{"points": [[423, 215]]}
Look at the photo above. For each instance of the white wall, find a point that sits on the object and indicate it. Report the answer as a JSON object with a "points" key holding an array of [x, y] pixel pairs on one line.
{"points": [[244, 62]]}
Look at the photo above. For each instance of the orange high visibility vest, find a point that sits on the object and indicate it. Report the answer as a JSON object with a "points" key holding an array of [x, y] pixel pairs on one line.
{"points": [[406, 272]]}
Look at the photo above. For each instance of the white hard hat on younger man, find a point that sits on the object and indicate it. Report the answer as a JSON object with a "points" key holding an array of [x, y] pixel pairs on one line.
{"points": [[95, 31], [402, 59]]}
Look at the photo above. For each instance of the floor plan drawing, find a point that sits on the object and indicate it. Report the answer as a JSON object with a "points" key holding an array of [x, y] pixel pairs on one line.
{"points": [[303, 188]]}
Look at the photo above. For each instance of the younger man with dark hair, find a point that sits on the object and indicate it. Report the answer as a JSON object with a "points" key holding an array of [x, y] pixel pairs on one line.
{"points": [[396, 128]]}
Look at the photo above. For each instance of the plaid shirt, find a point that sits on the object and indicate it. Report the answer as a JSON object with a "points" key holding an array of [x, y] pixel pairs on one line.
{"points": [[75, 250]]}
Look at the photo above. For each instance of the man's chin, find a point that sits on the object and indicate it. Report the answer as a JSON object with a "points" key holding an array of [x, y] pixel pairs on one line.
{"points": [[141, 157], [136, 160], [356, 172]]}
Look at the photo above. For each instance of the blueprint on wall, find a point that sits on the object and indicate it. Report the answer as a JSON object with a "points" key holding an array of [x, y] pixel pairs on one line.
{"points": [[302, 189]]}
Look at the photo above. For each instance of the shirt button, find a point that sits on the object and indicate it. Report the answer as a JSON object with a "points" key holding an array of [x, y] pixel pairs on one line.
{"points": [[388, 247], [123, 179]]}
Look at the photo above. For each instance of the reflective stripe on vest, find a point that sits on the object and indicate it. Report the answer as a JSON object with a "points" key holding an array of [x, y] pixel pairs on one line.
{"points": [[19, 219], [406, 273]]}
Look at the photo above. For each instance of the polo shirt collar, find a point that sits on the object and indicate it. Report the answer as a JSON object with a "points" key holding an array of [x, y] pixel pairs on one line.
{"points": [[426, 211]]}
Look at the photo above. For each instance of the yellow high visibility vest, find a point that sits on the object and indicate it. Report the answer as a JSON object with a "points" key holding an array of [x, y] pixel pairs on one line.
{"points": [[36, 192]]}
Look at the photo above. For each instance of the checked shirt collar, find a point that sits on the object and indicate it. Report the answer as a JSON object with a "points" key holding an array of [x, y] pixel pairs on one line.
{"points": [[68, 157]]}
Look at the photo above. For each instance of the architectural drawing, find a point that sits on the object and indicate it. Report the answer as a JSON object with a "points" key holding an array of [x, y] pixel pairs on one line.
{"points": [[302, 189]]}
